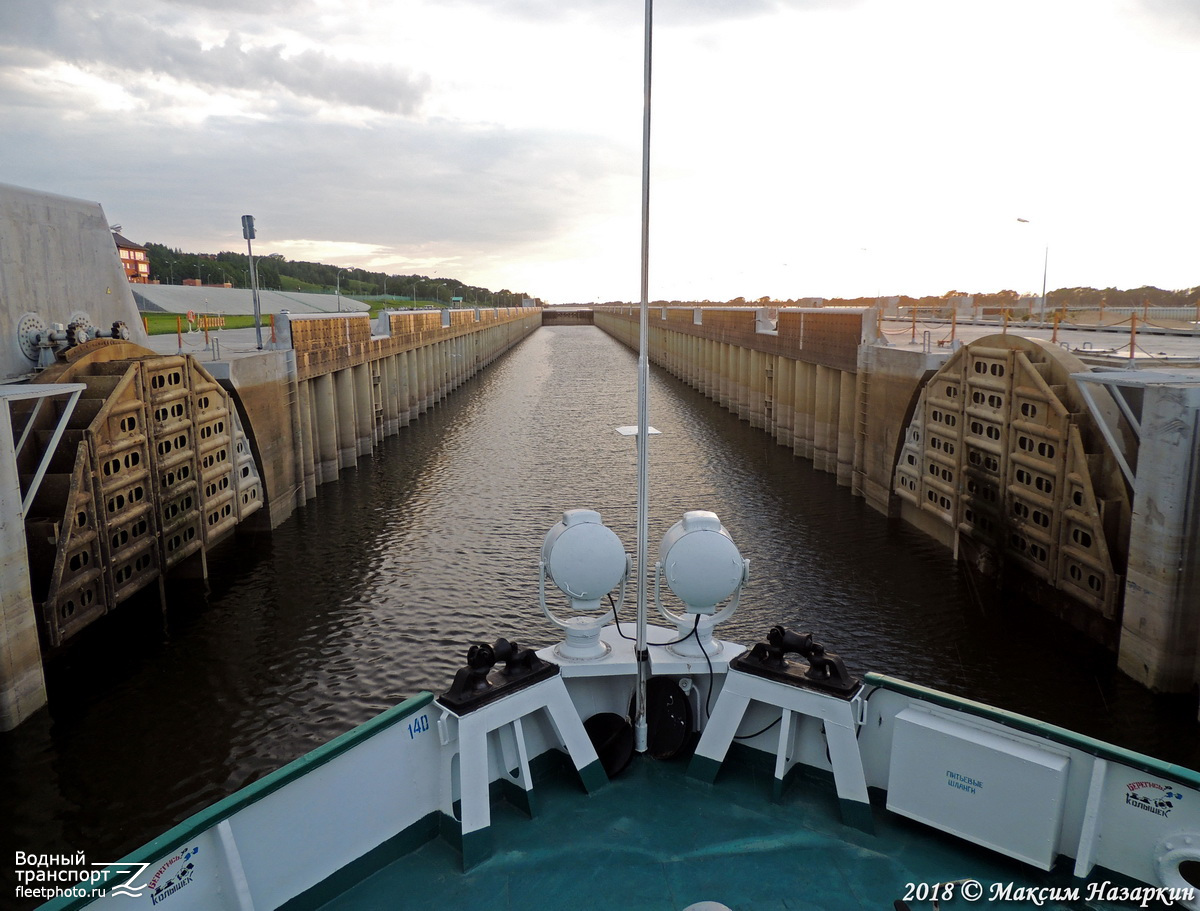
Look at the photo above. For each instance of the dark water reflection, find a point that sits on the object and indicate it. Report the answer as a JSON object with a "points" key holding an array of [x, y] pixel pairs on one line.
{"points": [[373, 590]]}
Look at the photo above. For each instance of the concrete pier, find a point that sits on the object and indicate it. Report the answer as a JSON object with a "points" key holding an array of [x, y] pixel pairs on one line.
{"points": [[1160, 625], [22, 686]]}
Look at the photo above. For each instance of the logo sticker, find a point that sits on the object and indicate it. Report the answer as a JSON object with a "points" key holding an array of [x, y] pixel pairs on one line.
{"points": [[173, 875], [1152, 797]]}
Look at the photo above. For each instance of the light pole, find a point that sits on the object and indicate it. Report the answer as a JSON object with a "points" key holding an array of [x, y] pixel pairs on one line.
{"points": [[248, 233], [339, 289], [1045, 267]]}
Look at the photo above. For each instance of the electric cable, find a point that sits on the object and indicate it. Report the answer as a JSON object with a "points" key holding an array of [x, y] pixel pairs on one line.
{"points": [[617, 621], [763, 731]]}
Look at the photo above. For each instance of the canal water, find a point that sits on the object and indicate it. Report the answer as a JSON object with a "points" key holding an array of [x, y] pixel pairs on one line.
{"points": [[375, 589]]}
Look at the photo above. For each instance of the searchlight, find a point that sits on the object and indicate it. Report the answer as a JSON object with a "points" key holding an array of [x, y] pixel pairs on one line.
{"points": [[703, 567], [584, 558]]}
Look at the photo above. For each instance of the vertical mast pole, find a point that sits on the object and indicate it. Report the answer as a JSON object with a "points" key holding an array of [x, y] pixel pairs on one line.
{"points": [[643, 430]]}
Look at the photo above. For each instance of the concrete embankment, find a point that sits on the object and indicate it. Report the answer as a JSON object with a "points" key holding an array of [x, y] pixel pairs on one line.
{"points": [[1059, 467]]}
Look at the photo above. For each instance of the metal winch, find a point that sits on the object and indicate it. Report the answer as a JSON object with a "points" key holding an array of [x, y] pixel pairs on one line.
{"points": [[41, 342]]}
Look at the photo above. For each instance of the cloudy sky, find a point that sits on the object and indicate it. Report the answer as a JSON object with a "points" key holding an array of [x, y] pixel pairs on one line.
{"points": [[801, 147]]}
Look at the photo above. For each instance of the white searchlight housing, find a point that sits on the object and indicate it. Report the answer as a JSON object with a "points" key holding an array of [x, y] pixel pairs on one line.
{"points": [[584, 558], [702, 567]]}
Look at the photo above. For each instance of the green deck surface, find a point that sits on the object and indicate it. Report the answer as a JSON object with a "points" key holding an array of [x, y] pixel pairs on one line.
{"points": [[655, 839]]}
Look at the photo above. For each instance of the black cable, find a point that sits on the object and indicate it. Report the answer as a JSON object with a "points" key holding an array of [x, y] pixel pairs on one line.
{"points": [[857, 732], [695, 626], [763, 731], [617, 620], [695, 631]]}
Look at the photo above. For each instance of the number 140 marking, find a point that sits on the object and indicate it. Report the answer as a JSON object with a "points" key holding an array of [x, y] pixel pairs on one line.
{"points": [[418, 726]]}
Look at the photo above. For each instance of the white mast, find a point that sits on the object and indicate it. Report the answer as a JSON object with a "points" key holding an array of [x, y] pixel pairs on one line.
{"points": [[643, 419]]}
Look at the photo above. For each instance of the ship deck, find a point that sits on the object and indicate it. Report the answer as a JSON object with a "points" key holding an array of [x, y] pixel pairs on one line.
{"points": [[654, 840]]}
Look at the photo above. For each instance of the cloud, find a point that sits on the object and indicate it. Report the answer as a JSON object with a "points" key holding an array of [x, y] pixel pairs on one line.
{"points": [[122, 45], [1175, 14], [666, 12], [261, 7], [396, 184]]}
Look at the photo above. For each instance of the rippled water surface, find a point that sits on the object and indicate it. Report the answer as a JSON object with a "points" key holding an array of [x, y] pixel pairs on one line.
{"points": [[375, 588]]}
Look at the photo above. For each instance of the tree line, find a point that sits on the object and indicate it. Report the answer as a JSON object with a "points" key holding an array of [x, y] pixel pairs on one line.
{"points": [[170, 266], [1060, 299]]}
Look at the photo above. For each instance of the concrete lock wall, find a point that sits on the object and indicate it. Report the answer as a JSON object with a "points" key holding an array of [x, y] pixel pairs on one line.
{"points": [[792, 373], [339, 386], [1123, 569]]}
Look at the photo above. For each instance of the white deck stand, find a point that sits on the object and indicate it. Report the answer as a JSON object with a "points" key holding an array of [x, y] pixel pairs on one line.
{"points": [[837, 715], [499, 724]]}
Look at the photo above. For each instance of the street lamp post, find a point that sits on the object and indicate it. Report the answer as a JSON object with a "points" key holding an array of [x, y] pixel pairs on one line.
{"points": [[248, 233], [339, 289], [1045, 268]]}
